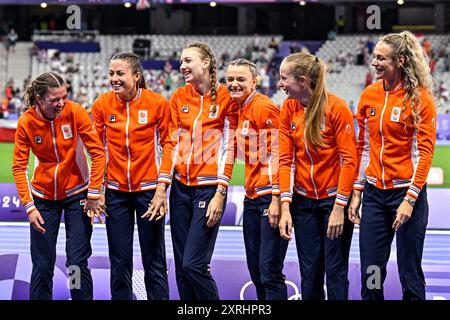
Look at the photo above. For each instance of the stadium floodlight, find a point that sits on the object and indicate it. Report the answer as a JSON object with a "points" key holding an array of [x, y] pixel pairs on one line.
{"points": [[400, 2], [44, 5], [212, 4], [302, 3], [127, 5]]}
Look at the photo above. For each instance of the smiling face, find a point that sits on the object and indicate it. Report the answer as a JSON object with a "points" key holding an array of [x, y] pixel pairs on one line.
{"points": [[240, 82], [386, 67], [53, 102], [192, 66], [288, 83], [121, 78]]}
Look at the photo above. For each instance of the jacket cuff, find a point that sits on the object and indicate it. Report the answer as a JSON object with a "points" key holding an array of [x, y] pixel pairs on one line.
{"points": [[286, 197], [29, 207], [93, 194], [341, 199], [275, 190], [165, 178], [413, 192], [223, 180], [359, 184]]}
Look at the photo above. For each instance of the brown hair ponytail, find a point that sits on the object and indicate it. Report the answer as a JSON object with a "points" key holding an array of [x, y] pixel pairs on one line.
{"points": [[306, 65]]}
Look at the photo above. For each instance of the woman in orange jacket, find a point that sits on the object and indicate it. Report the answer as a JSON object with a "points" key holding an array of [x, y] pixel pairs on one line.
{"points": [[56, 130], [133, 122], [317, 146], [200, 156], [257, 141], [397, 133]]}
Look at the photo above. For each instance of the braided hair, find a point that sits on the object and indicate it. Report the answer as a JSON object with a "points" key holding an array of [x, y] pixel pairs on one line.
{"points": [[40, 86], [207, 53]]}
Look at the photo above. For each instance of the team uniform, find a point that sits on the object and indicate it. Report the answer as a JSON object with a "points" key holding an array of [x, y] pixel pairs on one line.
{"points": [[394, 158], [61, 181], [199, 156], [312, 180], [133, 133], [257, 141]]}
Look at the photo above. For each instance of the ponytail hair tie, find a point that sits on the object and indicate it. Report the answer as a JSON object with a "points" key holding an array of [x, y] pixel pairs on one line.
{"points": [[317, 59]]}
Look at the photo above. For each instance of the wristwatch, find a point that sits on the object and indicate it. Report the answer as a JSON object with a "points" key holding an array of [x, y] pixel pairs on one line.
{"points": [[223, 192], [410, 201]]}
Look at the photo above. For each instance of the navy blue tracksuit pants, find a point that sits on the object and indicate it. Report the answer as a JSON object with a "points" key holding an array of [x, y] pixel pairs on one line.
{"points": [[193, 241], [121, 209], [318, 255], [265, 250], [78, 247], [379, 209]]}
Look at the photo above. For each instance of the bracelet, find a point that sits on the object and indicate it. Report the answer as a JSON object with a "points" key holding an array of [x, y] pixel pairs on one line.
{"points": [[223, 192], [410, 201]]}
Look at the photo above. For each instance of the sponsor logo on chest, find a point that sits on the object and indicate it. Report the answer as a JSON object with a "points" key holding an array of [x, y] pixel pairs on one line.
{"points": [[395, 114], [245, 127], [185, 109], [38, 139], [142, 117], [112, 118], [67, 131]]}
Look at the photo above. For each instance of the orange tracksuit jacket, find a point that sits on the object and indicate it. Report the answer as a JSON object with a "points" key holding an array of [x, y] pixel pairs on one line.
{"points": [[201, 147], [61, 169], [134, 133], [319, 172], [392, 153], [257, 141]]}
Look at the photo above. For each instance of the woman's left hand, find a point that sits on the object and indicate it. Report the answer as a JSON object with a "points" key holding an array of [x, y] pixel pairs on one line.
{"points": [[404, 213], [215, 209], [336, 222], [274, 212], [95, 208]]}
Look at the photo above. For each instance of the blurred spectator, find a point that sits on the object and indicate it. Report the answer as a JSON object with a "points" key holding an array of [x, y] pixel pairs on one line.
{"points": [[43, 25], [12, 39], [340, 24], [265, 80], [52, 24], [331, 67], [342, 58], [273, 44], [369, 45], [5, 108], [168, 67], [426, 46], [257, 42], [331, 35], [16, 104], [432, 64], [295, 47], [3, 30]]}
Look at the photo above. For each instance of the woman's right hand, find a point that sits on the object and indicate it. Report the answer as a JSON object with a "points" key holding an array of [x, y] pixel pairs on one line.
{"points": [[285, 223], [353, 209], [157, 208], [36, 220]]}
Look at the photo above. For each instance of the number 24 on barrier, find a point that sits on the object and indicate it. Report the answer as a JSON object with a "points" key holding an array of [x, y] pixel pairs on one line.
{"points": [[7, 199]]}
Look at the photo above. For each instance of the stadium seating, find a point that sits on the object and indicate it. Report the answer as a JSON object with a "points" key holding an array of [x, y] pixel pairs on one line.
{"points": [[89, 70]]}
